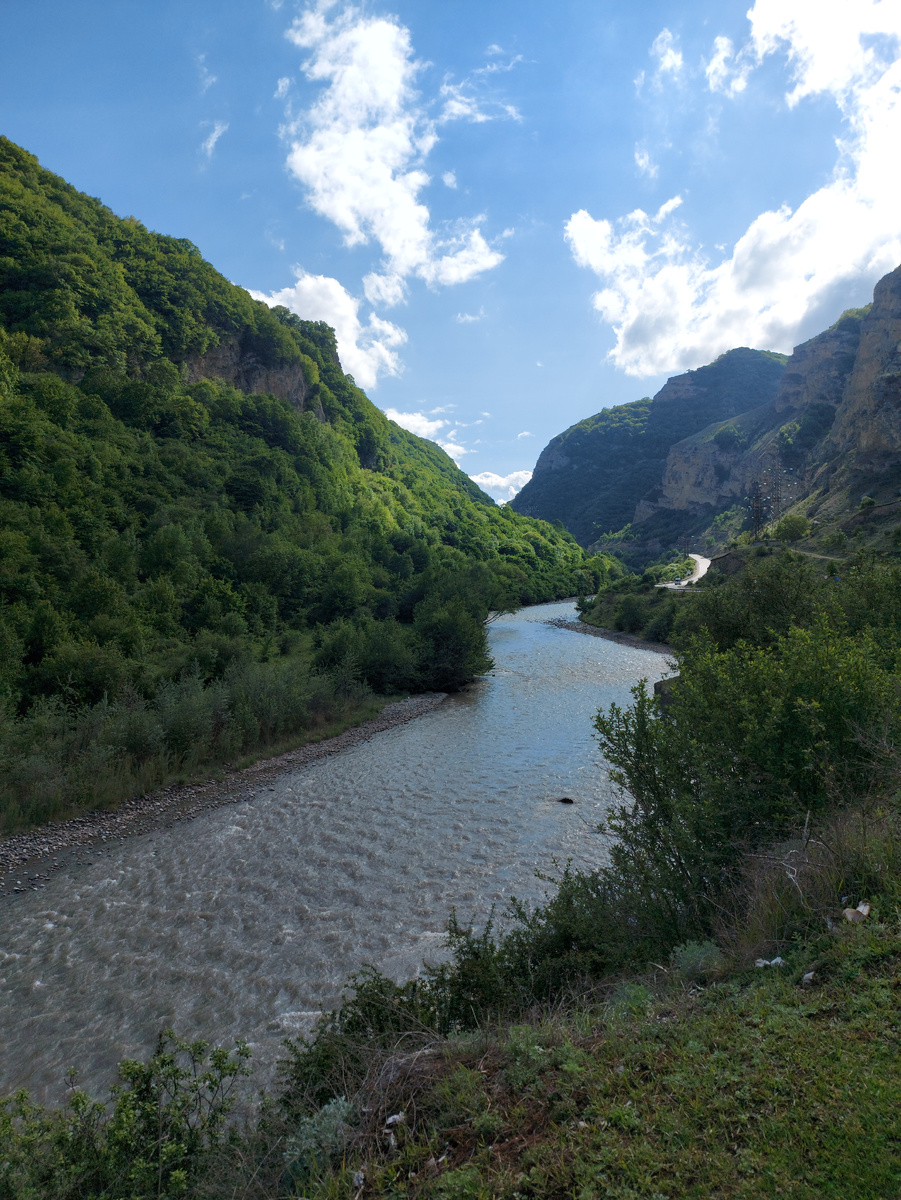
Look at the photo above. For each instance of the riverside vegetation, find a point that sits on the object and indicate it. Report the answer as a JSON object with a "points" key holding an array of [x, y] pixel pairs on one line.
{"points": [[714, 1013], [212, 545]]}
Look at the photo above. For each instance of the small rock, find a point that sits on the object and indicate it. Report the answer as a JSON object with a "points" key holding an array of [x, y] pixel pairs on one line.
{"points": [[397, 1119], [566, 800], [807, 980]]}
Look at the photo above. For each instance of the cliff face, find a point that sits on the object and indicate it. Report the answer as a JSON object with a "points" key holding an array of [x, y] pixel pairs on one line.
{"points": [[712, 469], [241, 367], [834, 424], [869, 419], [827, 425], [592, 476]]}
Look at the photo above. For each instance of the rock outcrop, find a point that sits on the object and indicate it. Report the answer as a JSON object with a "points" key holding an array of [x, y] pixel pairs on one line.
{"points": [[825, 427], [592, 476], [238, 365]]}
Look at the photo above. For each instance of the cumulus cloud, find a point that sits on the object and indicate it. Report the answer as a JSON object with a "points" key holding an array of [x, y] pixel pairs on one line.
{"points": [[424, 424], [367, 350], [671, 308], [469, 318], [359, 150], [209, 144], [449, 179], [417, 422], [282, 88], [502, 487]]}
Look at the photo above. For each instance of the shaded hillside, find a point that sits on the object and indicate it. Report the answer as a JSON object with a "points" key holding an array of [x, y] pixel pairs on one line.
{"points": [[592, 476], [829, 442], [205, 526]]}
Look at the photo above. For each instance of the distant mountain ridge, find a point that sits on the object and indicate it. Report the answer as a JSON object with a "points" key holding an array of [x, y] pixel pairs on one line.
{"points": [[820, 429], [592, 476]]}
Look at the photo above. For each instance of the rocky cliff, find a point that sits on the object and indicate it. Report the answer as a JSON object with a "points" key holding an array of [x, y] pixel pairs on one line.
{"points": [[823, 429], [833, 429], [592, 476]]}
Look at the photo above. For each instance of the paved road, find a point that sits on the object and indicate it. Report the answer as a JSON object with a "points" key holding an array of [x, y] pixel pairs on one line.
{"points": [[701, 567]]}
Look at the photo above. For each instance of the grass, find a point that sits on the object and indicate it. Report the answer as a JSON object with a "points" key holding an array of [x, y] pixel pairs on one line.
{"points": [[751, 1086]]}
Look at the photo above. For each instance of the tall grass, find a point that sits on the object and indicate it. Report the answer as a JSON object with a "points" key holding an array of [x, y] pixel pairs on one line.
{"points": [[61, 759]]}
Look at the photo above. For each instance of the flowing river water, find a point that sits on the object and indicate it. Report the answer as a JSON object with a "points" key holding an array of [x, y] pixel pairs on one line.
{"points": [[245, 921]]}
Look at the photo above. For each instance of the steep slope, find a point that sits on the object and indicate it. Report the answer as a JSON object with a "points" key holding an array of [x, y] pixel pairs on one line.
{"points": [[716, 467], [193, 495], [592, 476], [831, 435]]}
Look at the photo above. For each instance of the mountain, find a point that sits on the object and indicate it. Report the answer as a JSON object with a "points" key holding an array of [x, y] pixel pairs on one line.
{"points": [[817, 434], [830, 438], [592, 476], [210, 538]]}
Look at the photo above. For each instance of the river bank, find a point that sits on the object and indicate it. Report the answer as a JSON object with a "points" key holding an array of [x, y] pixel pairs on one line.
{"points": [[28, 859], [611, 635]]}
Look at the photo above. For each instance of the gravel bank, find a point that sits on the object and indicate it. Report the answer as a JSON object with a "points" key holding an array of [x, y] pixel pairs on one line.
{"points": [[28, 859], [625, 639]]}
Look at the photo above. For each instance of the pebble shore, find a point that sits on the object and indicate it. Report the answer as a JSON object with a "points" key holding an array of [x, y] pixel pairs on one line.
{"points": [[612, 635], [27, 860]]}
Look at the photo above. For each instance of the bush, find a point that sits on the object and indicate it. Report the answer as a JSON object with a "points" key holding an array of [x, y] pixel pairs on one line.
{"points": [[792, 528]]}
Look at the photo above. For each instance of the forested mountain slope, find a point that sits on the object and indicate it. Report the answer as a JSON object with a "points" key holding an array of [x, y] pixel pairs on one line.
{"points": [[193, 494], [592, 476]]}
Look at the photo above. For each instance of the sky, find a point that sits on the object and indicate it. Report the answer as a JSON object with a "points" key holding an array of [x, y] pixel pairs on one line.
{"points": [[514, 214]]}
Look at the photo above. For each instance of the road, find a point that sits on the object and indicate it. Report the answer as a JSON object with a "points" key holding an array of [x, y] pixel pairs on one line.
{"points": [[702, 565]]}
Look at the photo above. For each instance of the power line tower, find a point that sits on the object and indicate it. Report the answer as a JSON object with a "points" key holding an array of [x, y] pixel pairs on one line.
{"points": [[780, 485], [757, 508]]}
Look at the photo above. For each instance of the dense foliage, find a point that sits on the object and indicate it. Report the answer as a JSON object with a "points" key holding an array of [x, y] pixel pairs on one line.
{"points": [[195, 495]]}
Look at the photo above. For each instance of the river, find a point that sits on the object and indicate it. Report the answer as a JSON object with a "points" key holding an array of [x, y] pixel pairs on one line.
{"points": [[245, 921]]}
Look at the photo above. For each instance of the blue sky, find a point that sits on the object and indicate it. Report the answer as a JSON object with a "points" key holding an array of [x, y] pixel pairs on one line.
{"points": [[514, 213]]}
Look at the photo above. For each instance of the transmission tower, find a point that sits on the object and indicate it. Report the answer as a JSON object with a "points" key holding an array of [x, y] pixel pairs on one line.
{"points": [[757, 508]]}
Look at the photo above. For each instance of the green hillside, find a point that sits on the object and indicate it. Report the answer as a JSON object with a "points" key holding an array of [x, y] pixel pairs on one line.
{"points": [[210, 539]]}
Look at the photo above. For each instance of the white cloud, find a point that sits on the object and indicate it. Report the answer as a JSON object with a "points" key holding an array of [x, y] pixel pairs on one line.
{"points": [[644, 163], [209, 144], [460, 106], [453, 448], [367, 351], [667, 53], [502, 487], [449, 179], [418, 423], [423, 425], [282, 88], [723, 75], [207, 79], [469, 318], [495, 67], [359, 150], [791, 271], [384, 289], [525, 433]]}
